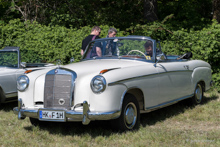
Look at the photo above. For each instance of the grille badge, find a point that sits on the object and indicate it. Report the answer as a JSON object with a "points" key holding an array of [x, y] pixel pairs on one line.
{"points": [[61, 101]]}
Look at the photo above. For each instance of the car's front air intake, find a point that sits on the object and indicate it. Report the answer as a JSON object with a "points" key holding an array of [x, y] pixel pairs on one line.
{"points": [[59, 88]]}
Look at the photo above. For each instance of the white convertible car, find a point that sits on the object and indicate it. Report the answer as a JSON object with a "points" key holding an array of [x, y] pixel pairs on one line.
{"points": [[117, 79], [11, 68]]}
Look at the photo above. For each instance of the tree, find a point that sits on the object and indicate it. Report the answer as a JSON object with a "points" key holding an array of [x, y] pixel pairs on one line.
{"points": [[28, 8], [216, 10], [150, 10]]}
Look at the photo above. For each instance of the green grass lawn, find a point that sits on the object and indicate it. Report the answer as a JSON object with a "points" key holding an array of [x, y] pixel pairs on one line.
{"points": [[176, 125]]}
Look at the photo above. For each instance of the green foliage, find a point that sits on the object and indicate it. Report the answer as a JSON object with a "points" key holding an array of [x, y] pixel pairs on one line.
{"points": [[9, 59], [129, 45], [188, 14], [216, 79], [5, 13], [45, 43], [121, 14]]}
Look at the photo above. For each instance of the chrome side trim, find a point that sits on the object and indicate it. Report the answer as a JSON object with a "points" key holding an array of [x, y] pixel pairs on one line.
{"points": [[71, 115], [148, 109], [117, 82], [12, 94]]}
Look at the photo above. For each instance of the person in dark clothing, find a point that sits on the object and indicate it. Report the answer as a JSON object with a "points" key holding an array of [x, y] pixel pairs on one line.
{"points": [[110, 46], [96, 30]]}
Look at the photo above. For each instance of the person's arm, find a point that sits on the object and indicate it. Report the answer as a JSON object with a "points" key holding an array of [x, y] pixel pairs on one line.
{"points": [[82, 51], [99, 51]]}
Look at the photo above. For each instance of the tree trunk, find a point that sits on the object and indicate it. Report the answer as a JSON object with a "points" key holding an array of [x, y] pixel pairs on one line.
{"points": [[216, 9], [150, 10]]}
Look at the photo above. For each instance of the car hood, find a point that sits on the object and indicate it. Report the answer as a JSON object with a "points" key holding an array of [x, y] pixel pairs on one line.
{"points": [[7, 70], [93, 66]]}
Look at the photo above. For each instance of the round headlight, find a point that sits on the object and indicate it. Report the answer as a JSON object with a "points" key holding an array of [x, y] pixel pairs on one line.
{"points": [[22, 82], [98, 84]]}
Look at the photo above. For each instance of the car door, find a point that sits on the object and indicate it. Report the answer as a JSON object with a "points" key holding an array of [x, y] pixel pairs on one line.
{"points": [[175, 80], [9, 81]]}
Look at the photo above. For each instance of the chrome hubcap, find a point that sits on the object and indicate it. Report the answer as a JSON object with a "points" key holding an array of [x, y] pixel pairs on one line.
{"points": [[130, 115], [198, 94]]}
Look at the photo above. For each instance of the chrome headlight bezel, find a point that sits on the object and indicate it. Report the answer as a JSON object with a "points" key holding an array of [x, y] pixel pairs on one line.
{"points": [[98, 84], [22, 82]]}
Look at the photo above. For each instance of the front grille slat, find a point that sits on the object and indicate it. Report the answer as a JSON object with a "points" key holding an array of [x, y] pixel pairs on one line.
{"points": [[59, 86]]}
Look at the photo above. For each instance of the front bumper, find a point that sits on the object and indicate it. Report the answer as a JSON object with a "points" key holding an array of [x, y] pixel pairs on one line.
{"points": [[85, 116]]}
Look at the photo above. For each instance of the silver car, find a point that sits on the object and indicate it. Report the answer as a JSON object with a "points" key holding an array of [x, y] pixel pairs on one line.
{"points": [[10, 69]]}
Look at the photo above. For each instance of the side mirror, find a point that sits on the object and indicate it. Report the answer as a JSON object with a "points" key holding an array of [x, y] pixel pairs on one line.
{"points": [[160, 57], [23, 64]]}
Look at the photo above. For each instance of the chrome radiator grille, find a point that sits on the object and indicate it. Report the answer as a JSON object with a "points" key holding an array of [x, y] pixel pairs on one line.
{"points": [[59, 89]]}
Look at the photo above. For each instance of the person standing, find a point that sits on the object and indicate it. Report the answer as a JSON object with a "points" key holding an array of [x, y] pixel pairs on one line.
{"points": [[112, 32], [96, 31], [110, 46]]}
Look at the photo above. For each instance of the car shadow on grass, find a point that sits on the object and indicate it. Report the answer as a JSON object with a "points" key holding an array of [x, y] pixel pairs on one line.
{"points": [[162, 114], [8, 106], [93, 129], [103, 128]]}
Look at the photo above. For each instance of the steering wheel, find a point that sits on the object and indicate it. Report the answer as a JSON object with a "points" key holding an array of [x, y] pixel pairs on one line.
{"points": [[136, 51]]}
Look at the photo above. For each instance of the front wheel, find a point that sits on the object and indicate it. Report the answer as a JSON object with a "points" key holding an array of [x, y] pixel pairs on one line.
{"points": [[198, 94], [130, 115]]}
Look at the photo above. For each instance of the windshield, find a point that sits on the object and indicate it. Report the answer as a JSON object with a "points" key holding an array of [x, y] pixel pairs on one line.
{"points": [[120, 48], [8, 58]]}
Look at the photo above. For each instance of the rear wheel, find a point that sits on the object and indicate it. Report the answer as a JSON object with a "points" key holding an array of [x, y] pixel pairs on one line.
{"points": [[2, 97], [130, 115], [198, 94]]}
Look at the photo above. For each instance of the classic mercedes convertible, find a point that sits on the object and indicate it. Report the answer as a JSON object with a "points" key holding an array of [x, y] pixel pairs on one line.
{"points": [[117, 79]]}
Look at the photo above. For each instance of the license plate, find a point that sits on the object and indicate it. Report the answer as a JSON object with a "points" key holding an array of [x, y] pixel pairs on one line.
{"points": [[51, 115]]}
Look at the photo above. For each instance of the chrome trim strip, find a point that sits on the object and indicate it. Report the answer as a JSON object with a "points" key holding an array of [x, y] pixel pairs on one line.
{"points": [[118, 82], [12, 94], [85, 116], [167, 103]]}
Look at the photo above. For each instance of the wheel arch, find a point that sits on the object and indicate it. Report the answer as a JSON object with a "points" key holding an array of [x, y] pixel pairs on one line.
{"points": [[137, 93], [202, 82], [2, 95]]}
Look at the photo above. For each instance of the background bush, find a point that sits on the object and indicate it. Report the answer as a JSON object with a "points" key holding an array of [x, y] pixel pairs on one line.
{"points": [[46, 43], [50, 43]]}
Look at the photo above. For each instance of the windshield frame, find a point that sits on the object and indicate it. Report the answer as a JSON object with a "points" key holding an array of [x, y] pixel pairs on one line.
{"points": [[153, 58]]}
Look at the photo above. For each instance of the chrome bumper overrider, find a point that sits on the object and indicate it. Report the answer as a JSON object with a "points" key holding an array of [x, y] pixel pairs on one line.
{"points": [[85, 116]]}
